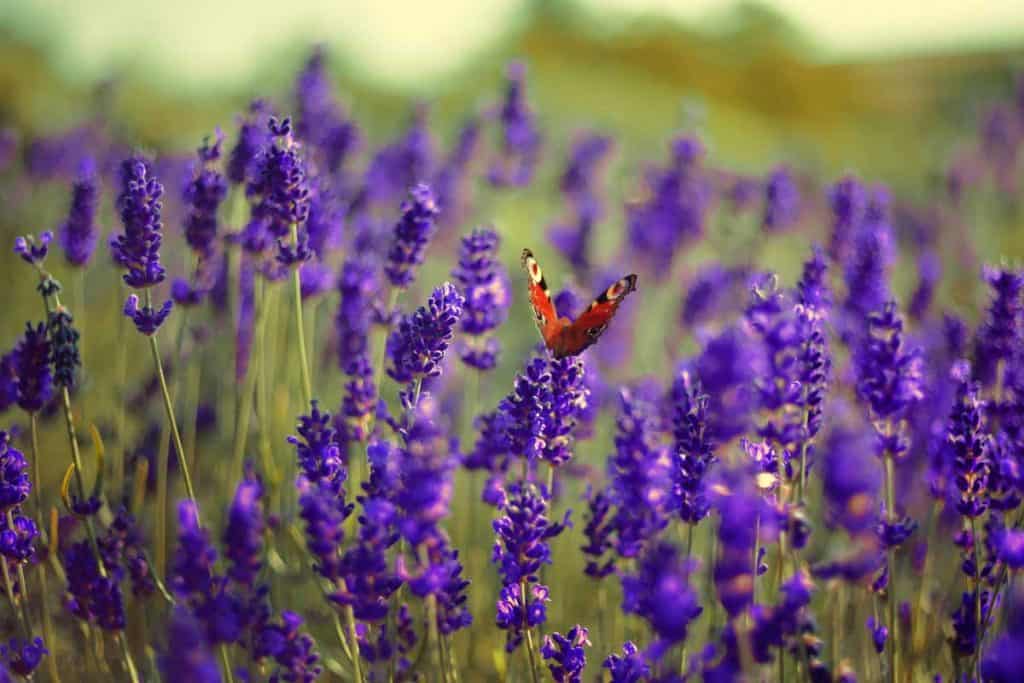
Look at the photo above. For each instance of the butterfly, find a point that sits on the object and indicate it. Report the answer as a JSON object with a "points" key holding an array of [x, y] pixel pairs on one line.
{"points": [[562, 336]]}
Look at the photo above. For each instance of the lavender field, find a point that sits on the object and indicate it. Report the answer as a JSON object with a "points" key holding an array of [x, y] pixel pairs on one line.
{"points": [[273, 406]]}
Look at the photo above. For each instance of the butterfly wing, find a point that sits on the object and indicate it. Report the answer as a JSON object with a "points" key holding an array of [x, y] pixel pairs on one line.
{"points": [[544, 313], [591, 324]]}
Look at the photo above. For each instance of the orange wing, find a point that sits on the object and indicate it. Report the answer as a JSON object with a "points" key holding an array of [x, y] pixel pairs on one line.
{"points": [[574, 338], [544, 313]]}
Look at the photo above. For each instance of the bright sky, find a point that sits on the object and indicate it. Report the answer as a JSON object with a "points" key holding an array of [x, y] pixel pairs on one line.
{"points": [[211, 42]]}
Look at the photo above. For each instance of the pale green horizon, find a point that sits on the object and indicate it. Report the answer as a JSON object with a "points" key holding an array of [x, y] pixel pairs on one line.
{"points": [[197, 43]]}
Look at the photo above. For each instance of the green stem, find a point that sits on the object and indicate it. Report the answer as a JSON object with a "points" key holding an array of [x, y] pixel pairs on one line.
{"points": [[307, 384], [17, 603], [225, 660], [890, 511], [976, 542], [350, 620], [169, 408], [530, 649]]}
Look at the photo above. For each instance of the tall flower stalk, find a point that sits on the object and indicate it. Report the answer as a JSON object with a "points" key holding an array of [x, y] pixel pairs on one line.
{"points": [[889, 381], [138, 251]]}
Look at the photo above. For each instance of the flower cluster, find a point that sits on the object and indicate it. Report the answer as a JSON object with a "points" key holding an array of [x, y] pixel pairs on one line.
{"points": [[417, 346], [520, 550], [412, 234], [78, 233], [484, 284]]}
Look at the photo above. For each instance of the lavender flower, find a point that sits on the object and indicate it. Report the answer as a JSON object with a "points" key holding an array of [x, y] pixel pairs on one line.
{"points": [[630, 667], [91, 597], [598, 532], [64, 348], [417, 346], [425, 483], [715, 293], [889, 376], [188, 656], [519, 551], [367, 580], [694, 452], [484, 283], [78, 232], [569, 399], [22, 657], [317, 450], [568, 658], [138, 249], [15, 484], [1004, 660], [32, 359], [30, 250], [358, 403], [660, 594], [741, 513], [848, 199], [8, 381], [243, 533], [293, 651], [203, 196], [782, 200], [412, 234], [357, 284], [147, 319], [17, 538], [850, 481], [970, 447], [640, 470], [279, 182], [520, 140], [252, 137], [324, 511], [867, 270], [1001, 333], [674, 213], [320, 118], [123, 546]]}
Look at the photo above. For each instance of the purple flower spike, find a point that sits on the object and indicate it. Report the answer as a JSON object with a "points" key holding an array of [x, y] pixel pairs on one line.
{"points": [[520, 142], [425, 486], [660, 594], [147, 319], [32, 358], [417, 346], [294, 652], [203, 196], [252, 137], [189, 656], [1004, 659], [1001, 333], [15, 484], [629, 667], [641, 476], [91, 597], [782, 201], [138, 249], [23, 658], [243, 534], [675, 212], [79, 232], [889, 376], [850, 481], [566, 654], [412, 234], [848, 199], [280, 182], [484, 283], [33, 251], [694, 452]]}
